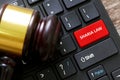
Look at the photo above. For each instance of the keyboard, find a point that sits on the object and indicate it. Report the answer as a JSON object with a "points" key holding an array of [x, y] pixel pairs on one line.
{"points": [[88, 46]]}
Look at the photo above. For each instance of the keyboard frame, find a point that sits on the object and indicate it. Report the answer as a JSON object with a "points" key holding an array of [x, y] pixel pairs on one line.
{"points": [[110, 64]]}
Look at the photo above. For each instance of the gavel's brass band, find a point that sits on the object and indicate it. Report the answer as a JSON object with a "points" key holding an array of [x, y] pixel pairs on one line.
{"points": [[13, 28]]}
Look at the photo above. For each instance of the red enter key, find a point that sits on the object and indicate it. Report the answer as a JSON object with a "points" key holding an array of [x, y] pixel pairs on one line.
{"points": [[91, 33]]}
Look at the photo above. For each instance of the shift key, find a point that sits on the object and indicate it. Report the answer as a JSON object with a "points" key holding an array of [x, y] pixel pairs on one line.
{"points": [[96, 53]]}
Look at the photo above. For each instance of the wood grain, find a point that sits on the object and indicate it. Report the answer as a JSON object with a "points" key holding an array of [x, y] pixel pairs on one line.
{"points": [[113, 8]]}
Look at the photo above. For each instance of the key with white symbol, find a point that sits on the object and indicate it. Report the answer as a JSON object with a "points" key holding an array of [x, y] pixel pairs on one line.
{"points": [[66, 68], [42, 75], [62, 68], [116, 74], [46, 74]]}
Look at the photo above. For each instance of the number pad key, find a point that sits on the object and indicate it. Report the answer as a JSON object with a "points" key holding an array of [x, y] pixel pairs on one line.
{"points": [[66, 68]]}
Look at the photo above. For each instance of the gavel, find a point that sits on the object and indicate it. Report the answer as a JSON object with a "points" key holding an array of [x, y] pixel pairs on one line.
{"points": [[24, 34]]}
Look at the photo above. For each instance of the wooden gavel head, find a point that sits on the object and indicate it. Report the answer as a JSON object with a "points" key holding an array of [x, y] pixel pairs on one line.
{"points": [[23, 33]]}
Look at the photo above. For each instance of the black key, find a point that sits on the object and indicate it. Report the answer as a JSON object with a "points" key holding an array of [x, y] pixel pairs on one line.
{"points": [[18, 3], [104, 78], [46, 74], [14, 2], [32, 1], [96, 72], [71, 3], [67, 45], [52, 7], [29, 78], [89, 12], [66, 68], [116, 74], [70, 20], [96, 53], [38, 8]]}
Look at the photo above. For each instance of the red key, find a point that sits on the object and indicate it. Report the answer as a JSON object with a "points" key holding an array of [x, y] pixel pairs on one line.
{"points": [[91, 33]]}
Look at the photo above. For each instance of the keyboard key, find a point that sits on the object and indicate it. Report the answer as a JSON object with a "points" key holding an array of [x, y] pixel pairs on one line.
{"points": [[46, 74], [38, 8], [96, 53], [66, 68], [32, 1], [52, 7], [71, 3], [104, 78], [91, 33], [67, 45], [70, 20], [96, 73], [17, 3], [89, 12], [116, 74], [29, 78]]}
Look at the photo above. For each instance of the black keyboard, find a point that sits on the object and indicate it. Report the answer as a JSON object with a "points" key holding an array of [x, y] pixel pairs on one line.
{"points": [[88, 48]]}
